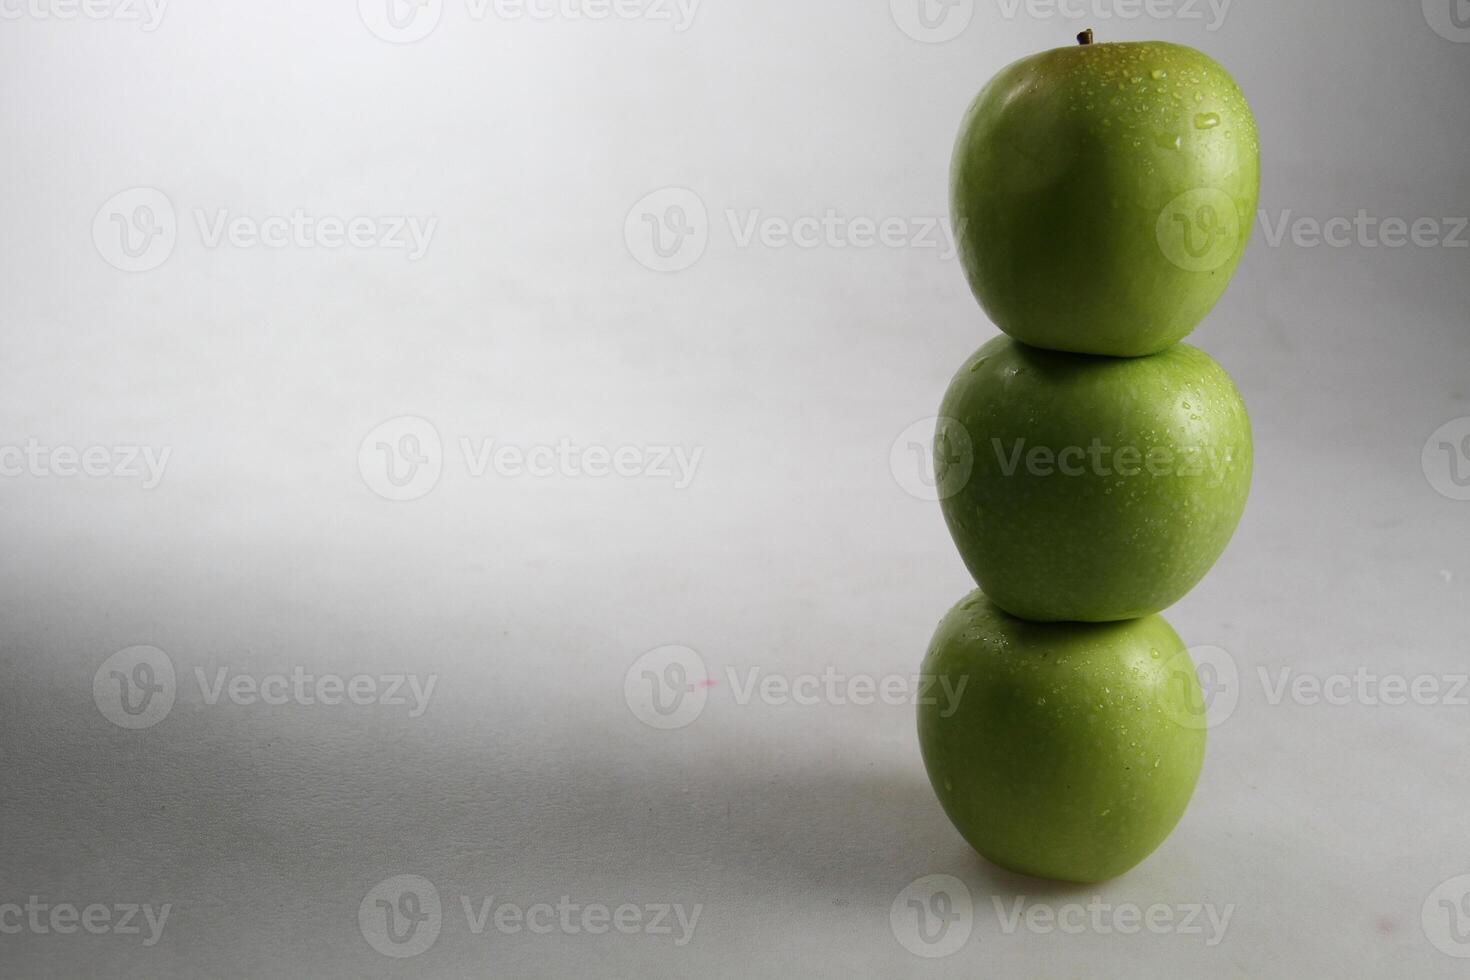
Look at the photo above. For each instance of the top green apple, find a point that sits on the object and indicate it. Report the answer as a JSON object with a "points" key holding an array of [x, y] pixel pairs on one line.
{"points": [[1102, 195]]}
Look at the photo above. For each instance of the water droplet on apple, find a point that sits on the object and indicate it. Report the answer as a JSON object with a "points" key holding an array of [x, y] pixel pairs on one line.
{"points": [[1158, 73], [1206, 120]]}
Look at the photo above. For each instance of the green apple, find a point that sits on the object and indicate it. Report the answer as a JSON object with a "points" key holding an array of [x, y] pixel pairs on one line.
{"points": [[1091, 488], [1072, 749], [1103, 194]]}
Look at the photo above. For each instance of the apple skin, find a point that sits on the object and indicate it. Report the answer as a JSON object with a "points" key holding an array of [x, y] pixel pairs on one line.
{"points": [[1103, 195], [1115, 535], [1074, 748]]}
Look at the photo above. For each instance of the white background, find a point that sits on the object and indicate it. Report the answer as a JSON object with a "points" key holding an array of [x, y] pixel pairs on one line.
{"points": [[530, 319]]}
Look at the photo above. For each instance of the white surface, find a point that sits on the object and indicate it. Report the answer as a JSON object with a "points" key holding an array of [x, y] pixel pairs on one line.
{"points": [[1324, 828]]}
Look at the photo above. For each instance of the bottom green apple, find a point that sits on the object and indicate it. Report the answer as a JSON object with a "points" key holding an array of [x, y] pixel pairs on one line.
{"points": [[1073, 748]]}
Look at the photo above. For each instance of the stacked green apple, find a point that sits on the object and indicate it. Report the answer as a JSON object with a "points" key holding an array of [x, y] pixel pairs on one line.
{"points": [[1092, 467]]}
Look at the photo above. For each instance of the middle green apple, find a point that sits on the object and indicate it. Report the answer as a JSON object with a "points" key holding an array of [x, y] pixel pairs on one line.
{"points": [[1088, 488]]}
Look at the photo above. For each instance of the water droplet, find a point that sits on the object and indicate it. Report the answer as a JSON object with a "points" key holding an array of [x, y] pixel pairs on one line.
{"points": [[1169, 141], [1206, 120], [1157, 74]]}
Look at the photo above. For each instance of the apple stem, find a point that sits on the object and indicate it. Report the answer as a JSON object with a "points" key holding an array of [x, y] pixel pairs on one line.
{"points": [[1085, 37]]}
